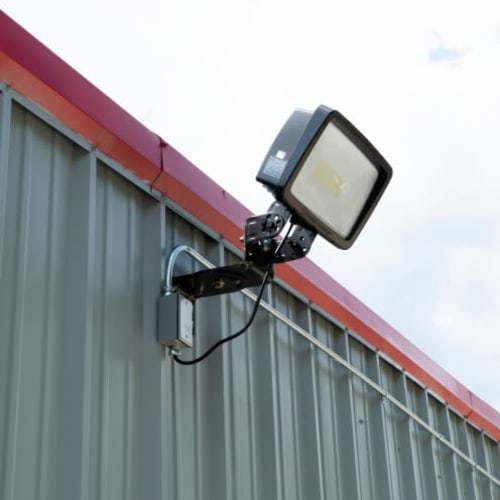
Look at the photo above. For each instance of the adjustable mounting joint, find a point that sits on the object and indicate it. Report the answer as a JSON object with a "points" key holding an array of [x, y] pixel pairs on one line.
{"points": [[261, 234], [261, 237]]}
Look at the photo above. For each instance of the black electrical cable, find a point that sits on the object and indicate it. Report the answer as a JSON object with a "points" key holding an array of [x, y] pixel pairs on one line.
{"points": [[250, 320]]}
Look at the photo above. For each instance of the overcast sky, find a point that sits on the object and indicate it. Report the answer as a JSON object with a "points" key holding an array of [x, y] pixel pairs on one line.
{"points": [[421, 80]]}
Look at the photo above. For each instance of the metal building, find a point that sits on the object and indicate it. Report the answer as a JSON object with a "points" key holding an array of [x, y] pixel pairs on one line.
{"points": [[320, 400]]}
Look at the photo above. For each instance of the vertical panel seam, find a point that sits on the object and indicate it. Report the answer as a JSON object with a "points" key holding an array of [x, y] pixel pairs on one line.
{"points": [[5, 123], [43, 433], [5, 126], [89, 307], [17, 327]]}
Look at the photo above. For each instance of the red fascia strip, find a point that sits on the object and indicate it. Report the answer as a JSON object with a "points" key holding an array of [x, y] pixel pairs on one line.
{"points": [[38, 74], [186, 185]]}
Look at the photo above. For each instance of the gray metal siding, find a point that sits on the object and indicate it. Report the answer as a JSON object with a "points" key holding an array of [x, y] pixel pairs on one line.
{"points": [[90, 406], [72, 317]]}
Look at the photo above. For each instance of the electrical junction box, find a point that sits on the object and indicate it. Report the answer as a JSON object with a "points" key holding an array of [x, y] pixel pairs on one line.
{"points": [[175, 321]]}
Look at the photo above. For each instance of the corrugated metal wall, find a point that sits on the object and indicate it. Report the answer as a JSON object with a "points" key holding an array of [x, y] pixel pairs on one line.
{"points": [[90, 407], [77, 309]]}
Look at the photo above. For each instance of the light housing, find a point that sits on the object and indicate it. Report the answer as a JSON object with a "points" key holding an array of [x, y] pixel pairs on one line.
{"points": [[326, 178], [328, 175]]}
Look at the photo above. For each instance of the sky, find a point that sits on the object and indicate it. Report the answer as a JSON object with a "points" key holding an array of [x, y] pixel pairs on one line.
{"points": [[420, 79]]}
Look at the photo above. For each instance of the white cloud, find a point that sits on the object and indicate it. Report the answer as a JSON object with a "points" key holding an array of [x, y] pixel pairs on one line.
{"points": [[444, 320]]}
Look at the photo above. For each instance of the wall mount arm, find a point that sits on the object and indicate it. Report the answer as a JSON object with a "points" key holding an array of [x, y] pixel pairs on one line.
{"points": [[261, 240]]}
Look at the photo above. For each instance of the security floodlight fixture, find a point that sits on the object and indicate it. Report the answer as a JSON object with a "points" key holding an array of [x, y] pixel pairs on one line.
{"points": [[326, 178], [326, 173]]}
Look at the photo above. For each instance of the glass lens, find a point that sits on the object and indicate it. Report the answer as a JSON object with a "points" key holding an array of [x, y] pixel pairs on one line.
{"points": [[335, 181]]}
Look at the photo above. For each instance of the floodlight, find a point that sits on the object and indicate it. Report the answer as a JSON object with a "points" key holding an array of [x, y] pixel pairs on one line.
{"points": [[326, 173], [326, 178]]}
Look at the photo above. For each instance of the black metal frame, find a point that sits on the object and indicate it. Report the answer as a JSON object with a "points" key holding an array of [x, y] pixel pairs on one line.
{"points": [[288, 153], [261, 240]]}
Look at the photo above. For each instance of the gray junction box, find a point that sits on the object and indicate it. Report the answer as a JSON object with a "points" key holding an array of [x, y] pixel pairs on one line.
{"points": [[175, 321]]}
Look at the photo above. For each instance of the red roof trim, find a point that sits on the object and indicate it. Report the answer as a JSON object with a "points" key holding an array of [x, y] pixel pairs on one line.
{"points": [[190, 188], [34, 71]]}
